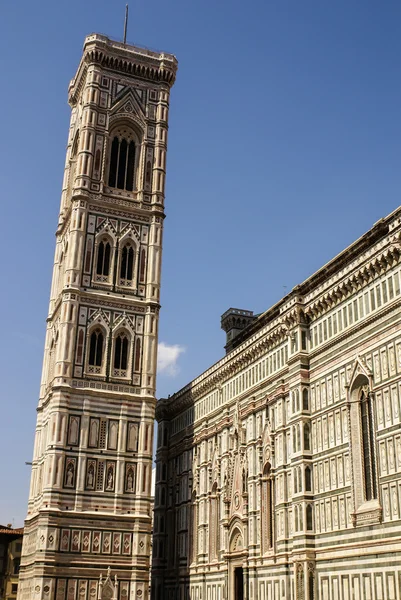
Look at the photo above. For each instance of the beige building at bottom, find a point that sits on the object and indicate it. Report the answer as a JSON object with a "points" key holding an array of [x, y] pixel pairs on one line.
{"points": [[279, 468]]}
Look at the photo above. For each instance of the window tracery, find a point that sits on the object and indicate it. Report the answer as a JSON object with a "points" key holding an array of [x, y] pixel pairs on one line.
{"points": [[103, 260], [96, 343], [122, 160], [121, 355], [127, 265]]}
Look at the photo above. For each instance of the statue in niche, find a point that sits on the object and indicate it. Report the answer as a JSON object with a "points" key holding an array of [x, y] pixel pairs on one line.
{"points": [[90, 480], [73, 433], [94, 433], [70, 475], [110, 478], [130, 481]]}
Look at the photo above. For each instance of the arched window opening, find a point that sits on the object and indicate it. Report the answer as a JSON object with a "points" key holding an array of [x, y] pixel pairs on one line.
{"points": [[120, 355], [311, 586], [122, 164], [267, 509], [95, 351], [306, 436], [309, 517], [127, 265], [368, 447], [103, 260], [308, 479], [305, 399]]}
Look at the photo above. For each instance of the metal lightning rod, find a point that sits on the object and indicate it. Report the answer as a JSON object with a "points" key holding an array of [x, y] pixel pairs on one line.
{"points": [[125, 23]]}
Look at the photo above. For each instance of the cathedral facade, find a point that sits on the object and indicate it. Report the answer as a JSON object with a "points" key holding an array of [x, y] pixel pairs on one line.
{"points": [[87, 532], [279, 468]]}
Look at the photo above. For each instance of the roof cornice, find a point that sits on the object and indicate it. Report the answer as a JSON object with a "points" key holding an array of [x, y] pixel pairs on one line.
{"points": [[151, 66]]}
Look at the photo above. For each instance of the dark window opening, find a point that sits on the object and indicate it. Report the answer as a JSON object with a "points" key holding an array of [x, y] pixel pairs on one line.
{"points": [[127, 262], [16, 564], [122, 164], [103, 258], [121, 352], [306, 436], [368, 448], [305, 399], [309, 517], [96, 348], [308, 479], [311, 587]]}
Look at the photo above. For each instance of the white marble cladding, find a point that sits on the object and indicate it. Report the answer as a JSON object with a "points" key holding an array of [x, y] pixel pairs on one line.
{"points": [[279, 468], [90, 499]]}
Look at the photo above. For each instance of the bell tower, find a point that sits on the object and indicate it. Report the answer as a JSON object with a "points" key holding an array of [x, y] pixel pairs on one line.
{"points": [[90, 499]]}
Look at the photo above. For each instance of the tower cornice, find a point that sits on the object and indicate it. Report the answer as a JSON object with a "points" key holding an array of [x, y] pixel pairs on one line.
{"points": [[141, 63]]}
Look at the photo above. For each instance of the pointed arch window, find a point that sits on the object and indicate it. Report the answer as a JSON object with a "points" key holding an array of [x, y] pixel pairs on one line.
{"points": [[305, 399], [127, 265], [368, 455], [120, 361], [122, 164], [267, 509], [306, 436], [96, 343], [363, 450], [309, 517], [308, 479], [103, 260]]}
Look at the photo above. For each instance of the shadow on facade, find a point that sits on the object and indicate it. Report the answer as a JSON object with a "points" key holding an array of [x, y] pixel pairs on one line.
{"points": [[175, 514]]}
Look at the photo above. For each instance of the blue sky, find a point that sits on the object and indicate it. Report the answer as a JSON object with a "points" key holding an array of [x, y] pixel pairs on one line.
{"points": [[284, 147]]}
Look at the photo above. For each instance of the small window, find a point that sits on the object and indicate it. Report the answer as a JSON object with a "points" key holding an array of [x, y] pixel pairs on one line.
{"points": [[96, 348], [306, 436], [309, 517], [16, 565], [308, 479], [305, 399]]}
